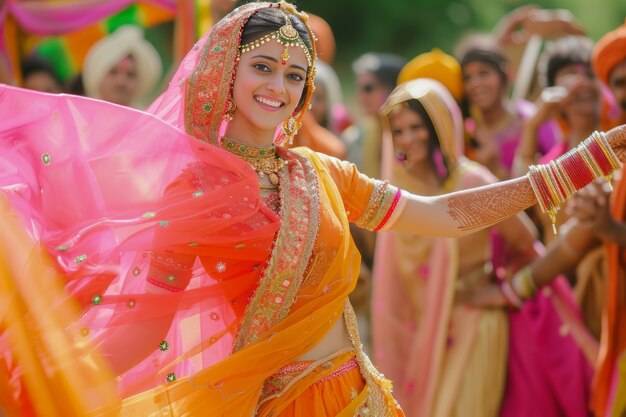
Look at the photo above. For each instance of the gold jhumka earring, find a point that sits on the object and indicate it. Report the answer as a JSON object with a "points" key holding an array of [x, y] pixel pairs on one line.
{"points": [[229, 113]]}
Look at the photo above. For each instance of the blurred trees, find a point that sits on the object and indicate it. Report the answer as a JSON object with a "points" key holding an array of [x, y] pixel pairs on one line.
{"points": [[410, 27]]}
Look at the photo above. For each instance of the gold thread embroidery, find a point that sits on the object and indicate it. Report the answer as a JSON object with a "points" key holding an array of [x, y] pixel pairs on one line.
{"points": [[292, 250], [310, 368], [379, 388]]}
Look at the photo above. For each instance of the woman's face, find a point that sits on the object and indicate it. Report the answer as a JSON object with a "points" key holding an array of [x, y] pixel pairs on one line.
{"points": [[266, 91], [583, 110], [482, 84], [410, 137]]}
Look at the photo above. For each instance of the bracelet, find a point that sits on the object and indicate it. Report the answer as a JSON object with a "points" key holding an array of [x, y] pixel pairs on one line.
{"points": [[558, 180], [512, 298], [523, 283]]}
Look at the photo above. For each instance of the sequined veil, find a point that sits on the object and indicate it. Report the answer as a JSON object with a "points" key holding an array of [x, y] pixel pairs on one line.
{"points": [[186, 281]]}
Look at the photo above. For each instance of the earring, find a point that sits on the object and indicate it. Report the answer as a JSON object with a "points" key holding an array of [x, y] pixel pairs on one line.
{"points": [[290, 129], [230, 110]]}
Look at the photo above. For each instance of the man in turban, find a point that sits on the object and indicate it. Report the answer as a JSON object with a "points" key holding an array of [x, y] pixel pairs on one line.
{"points": [[121, 68], [609, 63]]}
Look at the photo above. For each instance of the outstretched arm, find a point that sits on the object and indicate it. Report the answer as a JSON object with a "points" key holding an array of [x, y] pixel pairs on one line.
{"points": [[460, 213], [463, 212]]}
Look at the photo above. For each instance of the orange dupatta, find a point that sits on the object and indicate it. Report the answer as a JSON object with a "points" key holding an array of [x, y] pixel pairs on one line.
{"points": [[613, 341]]}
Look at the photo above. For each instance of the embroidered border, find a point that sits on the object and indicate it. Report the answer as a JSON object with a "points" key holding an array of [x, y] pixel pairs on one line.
{"points": [[392, 209], [379, 388], [292, 250], [288, 382], [382, 202], [208, 87]]}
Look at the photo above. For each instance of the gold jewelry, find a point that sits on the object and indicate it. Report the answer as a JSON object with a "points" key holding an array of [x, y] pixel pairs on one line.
{"points": [[264, 160], [556, 181], [230, 110], [287, 36], [290, 127]]}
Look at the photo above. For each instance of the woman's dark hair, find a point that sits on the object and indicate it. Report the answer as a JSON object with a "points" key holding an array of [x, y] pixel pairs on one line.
{"points": [[75, 85], [433, 139], [568, 50], [384, 67], [34, 64], [483, 49], [269, 20]]}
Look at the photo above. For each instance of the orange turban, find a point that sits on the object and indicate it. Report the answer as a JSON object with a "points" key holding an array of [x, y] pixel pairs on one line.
{"points": [[436, 65], [608, 52], [325, 43]]}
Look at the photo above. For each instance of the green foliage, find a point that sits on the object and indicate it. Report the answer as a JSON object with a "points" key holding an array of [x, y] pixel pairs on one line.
{"points": [[410, 27]]}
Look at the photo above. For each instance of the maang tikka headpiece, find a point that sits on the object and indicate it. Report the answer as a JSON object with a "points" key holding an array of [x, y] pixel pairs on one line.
{"points": [[287, 36]]}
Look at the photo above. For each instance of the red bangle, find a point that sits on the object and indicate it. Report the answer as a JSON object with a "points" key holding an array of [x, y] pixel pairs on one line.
{"points": [[390, 211], [601, 159]]}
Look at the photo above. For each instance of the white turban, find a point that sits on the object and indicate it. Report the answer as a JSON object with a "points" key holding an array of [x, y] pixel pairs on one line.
{"points": [[111, 50]]}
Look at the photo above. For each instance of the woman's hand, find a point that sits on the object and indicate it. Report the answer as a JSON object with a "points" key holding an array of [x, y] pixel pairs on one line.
{"points": [[591, 207], [617, 139], [487, 296]]}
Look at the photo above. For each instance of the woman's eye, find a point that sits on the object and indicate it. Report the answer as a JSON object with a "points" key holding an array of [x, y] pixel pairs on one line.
{"points": [[296, 77], [261, 67]]}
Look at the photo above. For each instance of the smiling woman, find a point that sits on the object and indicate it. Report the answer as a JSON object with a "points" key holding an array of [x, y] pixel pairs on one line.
{"points": [[214, 277]]}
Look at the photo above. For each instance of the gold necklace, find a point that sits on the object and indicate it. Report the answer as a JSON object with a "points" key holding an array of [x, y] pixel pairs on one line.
{"points": [[264, 160]]}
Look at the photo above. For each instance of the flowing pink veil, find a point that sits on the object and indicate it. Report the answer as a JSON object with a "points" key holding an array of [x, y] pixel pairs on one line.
{"points": [[110, 192]]}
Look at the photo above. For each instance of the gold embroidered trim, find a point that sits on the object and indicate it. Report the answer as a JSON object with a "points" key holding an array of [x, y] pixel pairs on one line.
{"points": [[310, 368], [381, 200], [379, 388], [292, 250], [207, 89]]}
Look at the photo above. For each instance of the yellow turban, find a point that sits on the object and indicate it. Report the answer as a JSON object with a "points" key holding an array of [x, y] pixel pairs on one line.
{"points": [[436, 65], [608, 52]]}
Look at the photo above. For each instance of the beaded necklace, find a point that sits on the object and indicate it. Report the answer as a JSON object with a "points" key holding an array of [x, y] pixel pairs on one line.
{"points": [[264, 160]]}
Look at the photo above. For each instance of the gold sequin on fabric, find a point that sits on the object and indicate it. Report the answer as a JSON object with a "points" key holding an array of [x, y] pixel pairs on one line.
{"points": [[80, 258]]}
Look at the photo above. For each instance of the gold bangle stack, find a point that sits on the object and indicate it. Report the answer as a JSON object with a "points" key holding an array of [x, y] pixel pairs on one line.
{"points": [[558, 180]]}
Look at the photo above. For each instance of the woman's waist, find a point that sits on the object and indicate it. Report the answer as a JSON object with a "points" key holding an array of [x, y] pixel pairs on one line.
{"points": [[335, 340]]}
